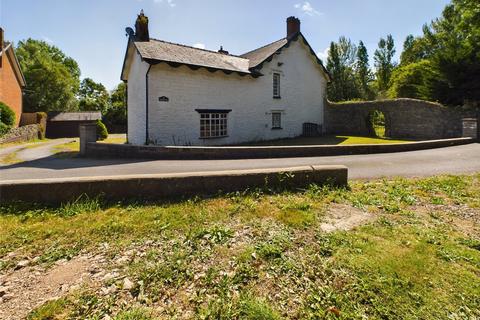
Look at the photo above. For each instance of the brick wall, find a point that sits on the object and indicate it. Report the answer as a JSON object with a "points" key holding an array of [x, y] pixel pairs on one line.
{"points": [[10, 90], [404, 118]]}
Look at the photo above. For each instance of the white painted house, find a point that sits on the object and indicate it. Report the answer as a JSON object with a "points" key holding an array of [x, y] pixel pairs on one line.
{"points": [[181, 95]]}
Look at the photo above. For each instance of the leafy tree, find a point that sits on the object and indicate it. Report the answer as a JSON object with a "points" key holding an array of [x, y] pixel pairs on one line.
{"points": [[116, 116], [455, 38], [414, 80], [384, 64], [451, 45], [363, 73], [52, 78], [341, 66], [93, 96]]}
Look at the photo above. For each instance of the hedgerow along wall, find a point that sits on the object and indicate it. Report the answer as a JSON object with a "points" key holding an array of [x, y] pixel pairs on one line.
{"points": [[404, 119]]}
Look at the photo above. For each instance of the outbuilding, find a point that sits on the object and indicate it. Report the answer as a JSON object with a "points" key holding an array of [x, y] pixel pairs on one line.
{"points": [[67, 124]]}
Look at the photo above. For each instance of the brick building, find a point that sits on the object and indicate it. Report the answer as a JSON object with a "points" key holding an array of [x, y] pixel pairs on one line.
{"points": [[12, 81]]}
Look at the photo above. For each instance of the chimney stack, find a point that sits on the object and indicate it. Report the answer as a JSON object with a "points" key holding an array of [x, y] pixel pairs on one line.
{"points": [[293, 27], [141, 28], [222, 51]]}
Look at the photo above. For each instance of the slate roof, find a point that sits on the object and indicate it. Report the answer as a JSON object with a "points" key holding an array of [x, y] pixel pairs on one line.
{"points": [[74, 116], [257, 56], [176, 53], [156, 51]]}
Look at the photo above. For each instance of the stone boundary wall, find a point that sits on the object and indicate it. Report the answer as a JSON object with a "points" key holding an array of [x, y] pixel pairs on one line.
{"points": [[21, 134], [28, 118], [161, 186], [404, 119], [104, 150]]}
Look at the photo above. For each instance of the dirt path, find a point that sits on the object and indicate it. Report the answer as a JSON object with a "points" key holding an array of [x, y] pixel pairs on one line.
{"points": [[33, 151], [27, 288]]}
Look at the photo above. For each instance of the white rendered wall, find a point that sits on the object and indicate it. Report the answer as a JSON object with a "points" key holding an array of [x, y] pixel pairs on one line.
{"points": [[136, 100], [251, 100]]}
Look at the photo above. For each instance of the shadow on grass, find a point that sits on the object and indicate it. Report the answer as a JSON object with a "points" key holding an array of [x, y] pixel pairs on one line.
{"points": [[300, 141], [86, 204]]}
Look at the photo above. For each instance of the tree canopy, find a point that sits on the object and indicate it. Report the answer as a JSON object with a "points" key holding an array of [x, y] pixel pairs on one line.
{"points": [[93, 96], [451, 45], [52, 78]]}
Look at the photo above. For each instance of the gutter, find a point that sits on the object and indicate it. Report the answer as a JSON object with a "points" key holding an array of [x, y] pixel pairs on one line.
{"points": [[147, 137]]}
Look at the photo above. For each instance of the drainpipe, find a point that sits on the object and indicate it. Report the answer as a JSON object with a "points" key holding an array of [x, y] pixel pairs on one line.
{"points": [[125, 102], [147, 138]]}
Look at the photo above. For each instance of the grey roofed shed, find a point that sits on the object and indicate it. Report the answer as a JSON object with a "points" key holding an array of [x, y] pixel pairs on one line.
{"points": [[66, 124]]}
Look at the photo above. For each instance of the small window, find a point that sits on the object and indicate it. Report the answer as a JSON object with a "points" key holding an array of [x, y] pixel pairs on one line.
{"points": [[213, 125], [276, 85], [276, 120]]}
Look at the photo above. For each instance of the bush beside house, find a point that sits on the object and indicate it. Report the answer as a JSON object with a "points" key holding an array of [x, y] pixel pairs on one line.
{"points": [[7, 118], [102, 132]]}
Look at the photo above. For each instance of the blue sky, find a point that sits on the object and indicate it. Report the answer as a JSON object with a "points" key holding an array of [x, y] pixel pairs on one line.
{"points": [[93, 31]]}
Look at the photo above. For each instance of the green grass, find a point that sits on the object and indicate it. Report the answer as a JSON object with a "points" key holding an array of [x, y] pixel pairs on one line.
{"points": [[327, 140], [263, 255]]}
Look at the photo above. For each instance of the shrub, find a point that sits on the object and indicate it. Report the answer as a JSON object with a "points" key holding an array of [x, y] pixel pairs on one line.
{"points": [[42, 123], [102, 132], [3, 129], [7, 116]]}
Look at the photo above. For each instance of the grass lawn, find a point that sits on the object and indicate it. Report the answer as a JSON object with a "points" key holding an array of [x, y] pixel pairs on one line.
{"points": [[263, 254], [72, 148], [327, 140]]}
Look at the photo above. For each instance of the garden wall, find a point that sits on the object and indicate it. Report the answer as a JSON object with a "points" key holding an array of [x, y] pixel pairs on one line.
{"points": [[404, 119], [21, 134]]}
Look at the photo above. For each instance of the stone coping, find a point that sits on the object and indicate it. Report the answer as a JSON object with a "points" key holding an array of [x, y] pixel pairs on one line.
{"points": [[161, 186], [103, 150]]}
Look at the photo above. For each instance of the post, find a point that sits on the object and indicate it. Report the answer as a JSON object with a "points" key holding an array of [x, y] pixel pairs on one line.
{"points": [[88, 133]]}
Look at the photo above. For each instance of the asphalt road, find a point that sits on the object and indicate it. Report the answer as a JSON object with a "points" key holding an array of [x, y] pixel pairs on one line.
{"points": [[454, 160]]}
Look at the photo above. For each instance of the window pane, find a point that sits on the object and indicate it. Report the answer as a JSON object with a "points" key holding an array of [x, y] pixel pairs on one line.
{"points": [[213, 125]]}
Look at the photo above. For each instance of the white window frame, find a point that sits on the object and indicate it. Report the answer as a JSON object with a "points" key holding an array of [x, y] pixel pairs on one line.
{"points": [[276, 85], [276, 120], [213, 124]]}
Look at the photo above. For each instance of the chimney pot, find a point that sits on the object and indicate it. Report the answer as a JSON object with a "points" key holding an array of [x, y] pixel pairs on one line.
{"points": [[141, 28], [222, 51], [293, 26]]}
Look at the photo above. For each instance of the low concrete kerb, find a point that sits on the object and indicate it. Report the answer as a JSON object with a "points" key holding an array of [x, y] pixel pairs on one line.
{"points": [[161, 186], [103, 150]]}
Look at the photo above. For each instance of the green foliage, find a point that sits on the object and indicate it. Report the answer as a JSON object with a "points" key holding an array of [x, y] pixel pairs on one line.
{"points": [[363, 74], [42, 122], [52, 78], [93, 96], [451, 45], [414, 80], [341, 67], [116, 115], [384, 64], [102, 132], [377, 124], [7, 118]]}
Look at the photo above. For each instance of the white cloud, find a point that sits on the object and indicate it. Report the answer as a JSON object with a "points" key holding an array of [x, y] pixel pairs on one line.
{"points": [[170, 3], [307, 8], [323, 54], [199, 45]]}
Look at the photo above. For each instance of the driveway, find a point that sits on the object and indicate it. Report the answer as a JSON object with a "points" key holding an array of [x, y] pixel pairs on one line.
{"points": [[451, 160], [33, 151]]}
